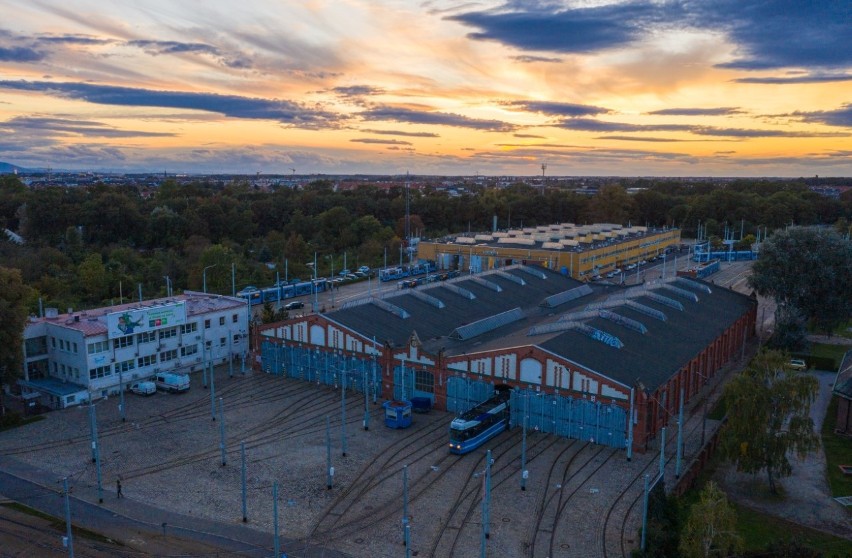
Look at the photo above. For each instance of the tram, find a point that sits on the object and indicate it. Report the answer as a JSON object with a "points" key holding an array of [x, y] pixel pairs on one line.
{"points": [[478, 425]]}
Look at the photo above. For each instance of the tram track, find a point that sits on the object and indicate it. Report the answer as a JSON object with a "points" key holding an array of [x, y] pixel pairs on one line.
{"points": [[504, 473]]}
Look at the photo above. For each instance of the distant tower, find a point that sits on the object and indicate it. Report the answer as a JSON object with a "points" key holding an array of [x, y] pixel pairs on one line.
{"points": [[543, 168]]}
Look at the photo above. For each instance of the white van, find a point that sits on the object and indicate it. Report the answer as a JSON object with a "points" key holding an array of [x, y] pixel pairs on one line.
{"points": [[174, 383], [143, 388]]}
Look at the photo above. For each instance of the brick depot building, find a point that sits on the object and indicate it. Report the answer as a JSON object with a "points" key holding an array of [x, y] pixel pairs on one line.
{"points": [[582, 358]]}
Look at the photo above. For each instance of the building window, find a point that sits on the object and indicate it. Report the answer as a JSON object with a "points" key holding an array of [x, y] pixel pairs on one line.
{"points": [[98, 347], [189, 328], [221, 320], [166, 356], [206, 324], [146, 337], [75, 348], [126, 365], [146, 360], [424, 381], [188, 350], [222, 341], [234, 318], [100, 372], [53, 342], [167, 333], [121, 342]]}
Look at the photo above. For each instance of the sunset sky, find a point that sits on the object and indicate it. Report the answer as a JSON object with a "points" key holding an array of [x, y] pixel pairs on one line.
{"points": [[587, 87]]}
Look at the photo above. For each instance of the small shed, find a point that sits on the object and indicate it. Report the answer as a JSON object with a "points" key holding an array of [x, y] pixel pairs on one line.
{"points": [[843, 391], [397, 414]]}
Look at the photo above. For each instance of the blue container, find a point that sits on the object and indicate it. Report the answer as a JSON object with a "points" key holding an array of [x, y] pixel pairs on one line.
{"points": [[421, 404], [397, 414]]}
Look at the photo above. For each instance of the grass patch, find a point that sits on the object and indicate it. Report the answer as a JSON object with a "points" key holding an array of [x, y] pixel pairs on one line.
{"points": [[838, 451], [59, 524], [758, 530], [828, 351], [20, 422]]}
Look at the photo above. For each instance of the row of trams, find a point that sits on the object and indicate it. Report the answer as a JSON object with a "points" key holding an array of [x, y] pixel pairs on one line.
{"points": [[296, 287]]}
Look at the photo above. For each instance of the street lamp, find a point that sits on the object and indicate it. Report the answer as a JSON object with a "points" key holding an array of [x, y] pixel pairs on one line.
{"points": [[204, 276], [168, 285]]}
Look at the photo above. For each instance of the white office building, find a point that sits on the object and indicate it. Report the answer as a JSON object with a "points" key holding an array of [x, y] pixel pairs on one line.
{"points": [[70, 358]]}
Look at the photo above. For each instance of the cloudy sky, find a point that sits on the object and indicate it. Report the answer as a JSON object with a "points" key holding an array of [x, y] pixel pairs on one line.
{"points": [[587, 87]]}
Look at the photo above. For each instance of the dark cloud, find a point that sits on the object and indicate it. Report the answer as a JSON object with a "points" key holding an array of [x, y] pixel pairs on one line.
{"points": [[767, 34], [638, 138], [720, 111], [393, 114], [838, 117], [381, 141], [750, 133], [782, 33], [73, 39], [233, 106], [357, 91], [547, 28], [172, 47], [533, 59], [550, 145], [591, 125], [531, 136], [158, 48], [552, 108], [402, 133], [64, 127], [20, 54], [807, 78]]}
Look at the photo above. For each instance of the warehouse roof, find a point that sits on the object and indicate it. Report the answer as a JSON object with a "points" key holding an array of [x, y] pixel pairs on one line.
{"points": [[679, 319]]}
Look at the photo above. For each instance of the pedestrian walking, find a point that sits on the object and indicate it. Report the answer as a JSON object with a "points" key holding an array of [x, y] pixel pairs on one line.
{"points": [[118, 488]]}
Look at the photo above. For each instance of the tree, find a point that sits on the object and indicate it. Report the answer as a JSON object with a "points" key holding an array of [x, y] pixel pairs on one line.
{"points": [[710, 529], [13, 307], [769, 417], [809, 269]]}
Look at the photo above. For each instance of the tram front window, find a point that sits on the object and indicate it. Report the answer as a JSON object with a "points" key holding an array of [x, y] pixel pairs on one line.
{"points": [[461, 435]]}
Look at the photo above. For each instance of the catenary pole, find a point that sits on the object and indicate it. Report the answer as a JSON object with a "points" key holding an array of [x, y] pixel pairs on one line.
{"points": [[69, 536], [329, 470], [243, 478], [222, 430], [679, 435]]}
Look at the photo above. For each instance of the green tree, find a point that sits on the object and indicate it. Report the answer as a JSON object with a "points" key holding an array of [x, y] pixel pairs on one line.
{"points": [[611, 204], [710, 529], [769, 417], [13, 307], [809, 269], [93, 278]]}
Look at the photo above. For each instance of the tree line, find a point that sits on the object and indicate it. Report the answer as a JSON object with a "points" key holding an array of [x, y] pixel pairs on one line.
{"points": [[97, 244]]}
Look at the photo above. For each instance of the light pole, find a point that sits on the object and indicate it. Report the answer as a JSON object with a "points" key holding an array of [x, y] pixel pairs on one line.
{"points": [[168, 285], [204, 276]]}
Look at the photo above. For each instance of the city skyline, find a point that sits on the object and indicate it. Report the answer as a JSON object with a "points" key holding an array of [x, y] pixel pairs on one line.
{"points": [[586, 87]]}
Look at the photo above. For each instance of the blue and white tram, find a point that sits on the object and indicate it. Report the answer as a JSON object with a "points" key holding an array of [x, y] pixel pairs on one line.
{"points": [[480, 424], [273, 294]]}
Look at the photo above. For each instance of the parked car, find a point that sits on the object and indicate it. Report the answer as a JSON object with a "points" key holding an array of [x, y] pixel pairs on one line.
{"points": [[344, 272], [351, 276], [296, 304], [798, 364], [360, 274], [364, 269], [143, 388]]}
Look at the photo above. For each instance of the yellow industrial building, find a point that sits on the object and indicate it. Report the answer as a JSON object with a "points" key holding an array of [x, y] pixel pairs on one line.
{"points": [[581, 251]]}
